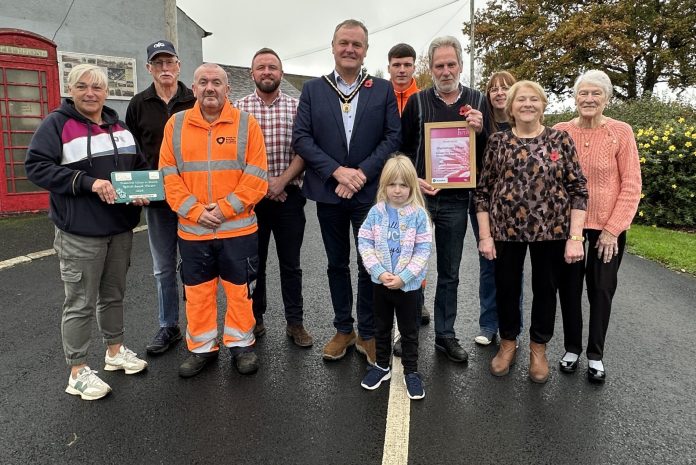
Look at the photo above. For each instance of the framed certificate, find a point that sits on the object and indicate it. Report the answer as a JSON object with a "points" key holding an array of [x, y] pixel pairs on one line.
{"points": [[450, 155], [130, 185]]}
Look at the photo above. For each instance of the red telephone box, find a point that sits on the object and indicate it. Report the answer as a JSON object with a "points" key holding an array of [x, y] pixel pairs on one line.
{"points": [[29, 90]]}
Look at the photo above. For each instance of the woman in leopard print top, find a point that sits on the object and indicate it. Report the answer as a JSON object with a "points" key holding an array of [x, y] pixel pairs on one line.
{"points": [[531, 193]]}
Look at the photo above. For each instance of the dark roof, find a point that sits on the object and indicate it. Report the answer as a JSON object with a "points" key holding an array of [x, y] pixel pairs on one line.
{"points": [[241, 84], [297, 80]]}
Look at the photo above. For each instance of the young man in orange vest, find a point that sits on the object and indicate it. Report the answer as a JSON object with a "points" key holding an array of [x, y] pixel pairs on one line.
{"points": [[213, 160]]}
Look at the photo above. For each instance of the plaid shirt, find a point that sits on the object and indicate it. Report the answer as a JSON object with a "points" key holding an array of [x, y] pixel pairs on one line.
{"points": [[276, 122]]}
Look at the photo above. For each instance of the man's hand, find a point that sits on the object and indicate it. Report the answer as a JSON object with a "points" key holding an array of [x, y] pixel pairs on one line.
{"points": [[141, 202], [104, 190], [209, 218], [351, 178], [276, 187], [426, 188], [475, 120], [343, 192]]}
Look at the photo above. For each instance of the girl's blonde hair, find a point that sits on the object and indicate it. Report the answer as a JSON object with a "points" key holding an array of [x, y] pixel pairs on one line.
{"points": [[399, 166]]}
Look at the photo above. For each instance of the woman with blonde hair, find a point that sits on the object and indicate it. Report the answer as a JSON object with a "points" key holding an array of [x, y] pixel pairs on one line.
{"points": [[531, 195]]}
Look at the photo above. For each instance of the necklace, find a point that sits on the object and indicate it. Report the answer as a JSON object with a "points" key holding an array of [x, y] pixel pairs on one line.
{"points": [[345, 106], [530, 136]]}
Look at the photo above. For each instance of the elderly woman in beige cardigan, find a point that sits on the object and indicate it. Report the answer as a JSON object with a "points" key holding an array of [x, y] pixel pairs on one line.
{"points": [[609, 159]]}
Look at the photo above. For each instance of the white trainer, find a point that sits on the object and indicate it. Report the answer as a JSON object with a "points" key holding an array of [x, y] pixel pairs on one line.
{"points": [[87, 385], [484, 339], [125, 360]]}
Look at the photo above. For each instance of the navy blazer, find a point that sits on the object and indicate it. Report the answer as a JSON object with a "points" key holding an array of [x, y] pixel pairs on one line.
{"points": [[319, 137]]}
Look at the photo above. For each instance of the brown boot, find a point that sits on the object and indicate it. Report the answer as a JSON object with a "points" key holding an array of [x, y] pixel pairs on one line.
{"points": [[335, 349], [500, 365], [538, 364], [367, 348], [299, 335]]}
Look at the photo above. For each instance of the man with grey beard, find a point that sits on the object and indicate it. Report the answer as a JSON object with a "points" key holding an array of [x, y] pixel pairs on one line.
{"points": [[282, 211], [447, 100]]}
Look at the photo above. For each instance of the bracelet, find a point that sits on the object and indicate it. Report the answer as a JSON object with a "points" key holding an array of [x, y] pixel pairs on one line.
{"points": [[577, 238]]}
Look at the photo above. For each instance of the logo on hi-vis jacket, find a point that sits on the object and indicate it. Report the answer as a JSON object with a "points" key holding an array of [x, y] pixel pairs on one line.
{"points": [[226, 140]]}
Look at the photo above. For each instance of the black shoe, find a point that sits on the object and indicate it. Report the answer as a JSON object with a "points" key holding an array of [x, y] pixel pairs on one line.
{"points": [[195, 363], [596, 376], [244, 360], [164, 340], [450, 346], [259, 330], [568, 367], [397, 348], [425, 316]]}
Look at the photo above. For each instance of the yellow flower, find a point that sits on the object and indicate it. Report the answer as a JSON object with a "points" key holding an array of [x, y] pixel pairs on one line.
{"points": [[646, 146], [687, 133], [665, 138], [681, 155], [688, 143], [658, 152], [655, 138], [672, 148], [642, 159], [674, 186], [691, 195], [640, 213], [654, 226], [681, 119], [639, 133], [642, 195]]}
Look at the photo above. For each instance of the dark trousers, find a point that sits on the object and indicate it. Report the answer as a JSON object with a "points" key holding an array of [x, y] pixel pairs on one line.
{"points": [[335, 221], [286, 221], [388, 302], [449, 213], [601, 279], [547, 264]]}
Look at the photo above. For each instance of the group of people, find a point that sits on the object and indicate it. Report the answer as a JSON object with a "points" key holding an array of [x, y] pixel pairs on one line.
{"points": [[235, 174]]}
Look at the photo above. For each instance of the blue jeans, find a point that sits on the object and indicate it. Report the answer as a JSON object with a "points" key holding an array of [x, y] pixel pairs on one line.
{"points": [[335, 221], [488, 317], [162, 229], [448, 211]]}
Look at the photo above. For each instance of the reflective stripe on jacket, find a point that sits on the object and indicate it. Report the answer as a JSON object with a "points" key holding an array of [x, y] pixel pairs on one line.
{"points": [[223, 162]]}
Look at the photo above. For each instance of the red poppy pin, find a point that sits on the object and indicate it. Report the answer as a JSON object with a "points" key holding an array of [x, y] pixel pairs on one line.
{"points": [[464, 110], [368, 83], [554, 155]]}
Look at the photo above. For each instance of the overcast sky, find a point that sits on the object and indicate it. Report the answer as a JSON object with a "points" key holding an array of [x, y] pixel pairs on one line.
{"points": [[293, 27]]}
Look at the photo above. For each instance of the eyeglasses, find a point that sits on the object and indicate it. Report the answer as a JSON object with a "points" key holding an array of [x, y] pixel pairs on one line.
{"points": [[495, 90], [161, 63]]}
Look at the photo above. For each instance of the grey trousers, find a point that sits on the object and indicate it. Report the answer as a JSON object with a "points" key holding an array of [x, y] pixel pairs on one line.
{"points": [[93, 270]]}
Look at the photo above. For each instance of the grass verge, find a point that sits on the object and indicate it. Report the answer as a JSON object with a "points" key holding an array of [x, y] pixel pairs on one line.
{"points": [[674, 249]]}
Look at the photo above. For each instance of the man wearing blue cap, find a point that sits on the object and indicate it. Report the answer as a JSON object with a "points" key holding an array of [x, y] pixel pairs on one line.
{"points": [[146, 116]]}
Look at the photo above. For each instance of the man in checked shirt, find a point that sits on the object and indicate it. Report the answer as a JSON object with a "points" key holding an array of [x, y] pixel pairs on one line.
{"points": [[282, 211]]}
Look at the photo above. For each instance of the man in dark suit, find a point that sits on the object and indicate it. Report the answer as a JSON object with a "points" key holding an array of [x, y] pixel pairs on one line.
{"points": [[347, 124]]}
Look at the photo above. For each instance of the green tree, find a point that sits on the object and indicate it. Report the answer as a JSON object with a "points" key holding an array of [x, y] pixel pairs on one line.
{"points": [[638, 43], [422, 74]]}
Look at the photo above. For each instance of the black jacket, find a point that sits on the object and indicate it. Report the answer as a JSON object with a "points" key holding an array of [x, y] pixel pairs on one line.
{"points": [[146, 117], [67, 154]]}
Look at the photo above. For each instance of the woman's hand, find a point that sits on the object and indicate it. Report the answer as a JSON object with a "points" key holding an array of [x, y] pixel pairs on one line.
{"points": [[574, 251], [607, 246], [487, 248]]}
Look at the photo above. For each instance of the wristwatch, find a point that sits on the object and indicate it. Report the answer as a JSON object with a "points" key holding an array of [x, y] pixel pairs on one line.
{"points": [[577, 238]]}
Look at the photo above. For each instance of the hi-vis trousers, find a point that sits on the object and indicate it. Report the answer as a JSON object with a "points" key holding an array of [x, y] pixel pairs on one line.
{"points": [[232, 262]]}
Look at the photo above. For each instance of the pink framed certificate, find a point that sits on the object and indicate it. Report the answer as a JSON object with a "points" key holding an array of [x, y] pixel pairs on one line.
{"points": [[450, 155]]}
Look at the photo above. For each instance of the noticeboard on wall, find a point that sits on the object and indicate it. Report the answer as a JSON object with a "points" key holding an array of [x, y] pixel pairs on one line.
{"points": [[120, 70]]}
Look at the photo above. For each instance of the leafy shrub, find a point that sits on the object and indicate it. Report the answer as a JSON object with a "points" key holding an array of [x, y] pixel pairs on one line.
{"points": [[666, 137]]}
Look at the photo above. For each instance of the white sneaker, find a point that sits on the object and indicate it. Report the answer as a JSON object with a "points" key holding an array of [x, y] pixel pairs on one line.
{"points": [[87, 385], [484, 340], [125, 360]]}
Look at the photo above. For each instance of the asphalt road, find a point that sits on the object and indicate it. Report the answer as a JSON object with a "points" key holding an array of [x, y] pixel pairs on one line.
{"points": [[299, 409]]}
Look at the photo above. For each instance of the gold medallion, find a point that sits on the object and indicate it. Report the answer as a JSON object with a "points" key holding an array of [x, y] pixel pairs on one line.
{"points": [[346, 107]]}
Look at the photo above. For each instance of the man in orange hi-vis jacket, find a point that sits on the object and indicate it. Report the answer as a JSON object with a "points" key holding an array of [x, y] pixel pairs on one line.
{"points": [[213, 161]]}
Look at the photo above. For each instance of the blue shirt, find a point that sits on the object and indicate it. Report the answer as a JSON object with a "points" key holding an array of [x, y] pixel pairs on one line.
{"points": [[393, 236]]}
